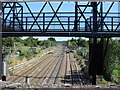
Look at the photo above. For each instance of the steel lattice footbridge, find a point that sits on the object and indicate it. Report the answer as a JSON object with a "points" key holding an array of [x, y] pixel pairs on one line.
{"points": [[79, 23]]}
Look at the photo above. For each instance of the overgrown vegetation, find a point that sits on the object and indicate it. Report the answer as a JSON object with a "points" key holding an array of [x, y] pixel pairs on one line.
{"points": [[80, 46], [75, 43], [111, 62], [25, 49]]}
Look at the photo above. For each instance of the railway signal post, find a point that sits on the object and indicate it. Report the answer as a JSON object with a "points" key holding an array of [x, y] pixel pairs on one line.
{"points": [[4, 66], [0, 40]]}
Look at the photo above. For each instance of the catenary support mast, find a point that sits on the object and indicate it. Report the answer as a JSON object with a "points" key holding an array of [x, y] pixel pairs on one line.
{"points": [[0, 40]]}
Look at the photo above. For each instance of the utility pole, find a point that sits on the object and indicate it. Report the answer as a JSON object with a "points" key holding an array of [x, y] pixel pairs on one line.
{"points": [[0, 40], [4, 66]]}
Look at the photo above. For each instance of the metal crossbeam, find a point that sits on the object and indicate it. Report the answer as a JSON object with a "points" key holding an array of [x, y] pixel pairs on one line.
{"points": [[55, 14], [38, 16], [32, 16], [63, 34]]}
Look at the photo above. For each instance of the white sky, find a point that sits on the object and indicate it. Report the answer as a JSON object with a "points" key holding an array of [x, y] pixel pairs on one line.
{"points": [[63, 38], [57, 38]]}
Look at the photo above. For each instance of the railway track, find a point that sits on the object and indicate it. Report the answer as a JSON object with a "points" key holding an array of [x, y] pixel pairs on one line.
{"points": [[26, 71], [46, 70], [58, 68], [75, 71]]}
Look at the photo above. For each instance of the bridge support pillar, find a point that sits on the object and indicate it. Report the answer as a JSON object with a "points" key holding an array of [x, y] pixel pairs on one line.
{"points": [[93, 59], [97, 53], [0, 40], [93, 46]]}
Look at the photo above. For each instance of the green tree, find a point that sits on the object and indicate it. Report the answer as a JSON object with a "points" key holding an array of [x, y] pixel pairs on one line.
{"points": [[82, 42], [52, 39], [112, 60], [46, 43]]}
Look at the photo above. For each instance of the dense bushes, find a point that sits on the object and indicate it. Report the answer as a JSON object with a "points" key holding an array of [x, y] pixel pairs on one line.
{"points": [[112, 61], [27, 47], [111, 67]]}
